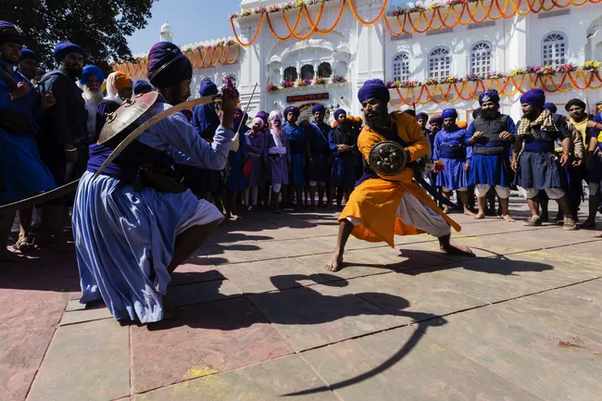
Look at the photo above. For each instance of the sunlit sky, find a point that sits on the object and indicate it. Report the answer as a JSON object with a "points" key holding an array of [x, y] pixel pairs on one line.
{"points": [[191, 20]]}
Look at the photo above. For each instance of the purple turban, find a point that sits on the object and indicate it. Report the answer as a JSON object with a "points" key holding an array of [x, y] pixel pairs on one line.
{"points": [[490, 95], [167, 65], [263, 115], [89, 71], [374, 88], [10, 33], [208, 88], [27, 54], [550, 106], [64, 48], [436, 119], [338, 113], [422, 116], [535, 97], [291, 109], [317, 108], [449, 113], [142, 86]]}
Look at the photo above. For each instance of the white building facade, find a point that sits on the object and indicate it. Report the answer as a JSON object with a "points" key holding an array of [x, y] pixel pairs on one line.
{"points": [[571, 35]]}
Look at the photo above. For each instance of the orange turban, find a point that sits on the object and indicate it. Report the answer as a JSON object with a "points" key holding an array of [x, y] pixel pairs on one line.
{"points": [[461, 124], [122, 81]]}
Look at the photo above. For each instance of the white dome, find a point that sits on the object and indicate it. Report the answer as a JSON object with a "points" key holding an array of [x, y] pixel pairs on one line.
{"points": [[165, 27]]}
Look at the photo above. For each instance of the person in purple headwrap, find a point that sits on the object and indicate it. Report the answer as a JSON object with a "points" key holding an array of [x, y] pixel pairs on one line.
{"points": [[319, 169], [141, 87], [134, 224], [382, 206], [536, 166], [255, 141], [450, 147], [28, 66], [343, 144], [64, 140], [300, 152], [491, 135], [22, 172], [277, 157], [236, 183]]}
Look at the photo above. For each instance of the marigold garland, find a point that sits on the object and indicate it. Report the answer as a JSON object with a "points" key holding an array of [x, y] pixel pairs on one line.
{"points": [[200, 57], [586, 77], [418, 19]]}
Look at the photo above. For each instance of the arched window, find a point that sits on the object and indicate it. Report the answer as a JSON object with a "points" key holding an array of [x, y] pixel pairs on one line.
{"points": [[480, 58], [553, 49], [324, 70], [290, 74], [401, 67], [439, 63], [307, 71]]}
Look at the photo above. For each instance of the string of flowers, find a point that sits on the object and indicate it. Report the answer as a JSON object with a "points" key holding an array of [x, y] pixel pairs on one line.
{"points": [[200, 56], [416, 17], [302, 83], [562, 78]]}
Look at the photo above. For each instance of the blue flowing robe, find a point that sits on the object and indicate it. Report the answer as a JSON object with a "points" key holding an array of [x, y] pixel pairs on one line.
{"points": [[343, 168], [454, 175], [320, 152], [297, 139], [22, 171]]}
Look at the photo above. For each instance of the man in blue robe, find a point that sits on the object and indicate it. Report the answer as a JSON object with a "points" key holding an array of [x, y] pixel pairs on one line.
{"points": [[319, 171], [22, 172], [491, 135], [536, 166], [130, 236]]}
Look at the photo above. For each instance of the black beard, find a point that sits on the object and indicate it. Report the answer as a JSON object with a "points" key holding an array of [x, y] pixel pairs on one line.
{"points": [[489, 114], [376, 121]]}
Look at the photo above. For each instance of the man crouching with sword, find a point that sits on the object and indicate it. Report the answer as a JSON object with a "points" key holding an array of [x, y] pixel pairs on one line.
{"points": [[133, 222]]}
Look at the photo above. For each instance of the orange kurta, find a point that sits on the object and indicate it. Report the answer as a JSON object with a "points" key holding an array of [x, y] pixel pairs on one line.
{"points": [[375, 201]]}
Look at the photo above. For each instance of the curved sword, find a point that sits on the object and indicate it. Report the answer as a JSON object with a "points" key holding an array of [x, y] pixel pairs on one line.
{"points": [[149, 123], [40, 198]]}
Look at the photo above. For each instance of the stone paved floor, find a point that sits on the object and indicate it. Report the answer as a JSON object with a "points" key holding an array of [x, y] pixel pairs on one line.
{"points": [[264, 321]]}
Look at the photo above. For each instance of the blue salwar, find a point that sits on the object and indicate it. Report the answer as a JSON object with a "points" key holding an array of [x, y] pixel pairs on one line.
{"points": [[297, 139], [454, 175]]}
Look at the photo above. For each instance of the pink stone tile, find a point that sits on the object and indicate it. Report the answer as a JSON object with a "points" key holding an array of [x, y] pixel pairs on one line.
{"points": [[210, 338]]}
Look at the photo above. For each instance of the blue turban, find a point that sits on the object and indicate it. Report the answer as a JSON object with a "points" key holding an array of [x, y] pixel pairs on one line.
{"points": [[208, 88], [167, 65], [436, 119], [317, 108], [89, 71], [40, 71], [293, 109], [142, 86], [449, 113], [550, 106], [422, 116], [10, 33], [490, 95], [264, 116], [27, 54], [535, 97], [338, 113], [64, 48], [374, 88]]}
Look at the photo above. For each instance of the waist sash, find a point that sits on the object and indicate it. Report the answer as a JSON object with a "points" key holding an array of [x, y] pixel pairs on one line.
{"points": [[453, 152]]}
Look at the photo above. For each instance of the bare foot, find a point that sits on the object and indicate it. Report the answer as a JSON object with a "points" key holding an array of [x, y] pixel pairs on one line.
{"points": [[468, 212], [508, 218], [11, 257], [335, 263], [597, 235], [479, 216], [458, 250], [446, 209]]}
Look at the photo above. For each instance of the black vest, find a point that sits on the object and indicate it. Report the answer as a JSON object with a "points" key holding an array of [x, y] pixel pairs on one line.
{"points": [[490, 143]]}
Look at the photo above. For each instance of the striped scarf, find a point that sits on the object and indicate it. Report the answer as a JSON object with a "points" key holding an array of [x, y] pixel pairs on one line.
{"points": [[545, 122]]}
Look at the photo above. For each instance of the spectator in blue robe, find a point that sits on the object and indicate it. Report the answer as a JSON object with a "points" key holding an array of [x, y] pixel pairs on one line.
{"points": [[319, 163]]}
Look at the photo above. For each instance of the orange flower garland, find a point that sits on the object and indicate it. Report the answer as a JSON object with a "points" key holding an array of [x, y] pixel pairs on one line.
{"points": [[202, 57], [507, 86], [417, 20]]}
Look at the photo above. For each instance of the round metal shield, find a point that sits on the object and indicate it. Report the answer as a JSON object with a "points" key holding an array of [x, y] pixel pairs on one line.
{"points": [[125, 115], [387, 158]]}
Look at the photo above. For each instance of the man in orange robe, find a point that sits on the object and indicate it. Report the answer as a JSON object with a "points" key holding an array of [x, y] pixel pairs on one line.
{"points": [[380, 207]]}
